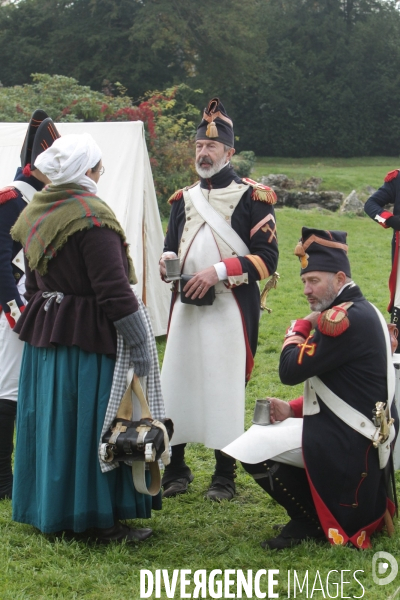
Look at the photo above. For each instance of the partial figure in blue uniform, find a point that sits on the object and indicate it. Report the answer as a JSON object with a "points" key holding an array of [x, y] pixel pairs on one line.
{"points": [[388, 195], [13, 198]]}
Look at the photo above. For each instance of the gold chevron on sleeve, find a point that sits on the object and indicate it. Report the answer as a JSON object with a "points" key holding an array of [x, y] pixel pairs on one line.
{"points": [[259, 265]]}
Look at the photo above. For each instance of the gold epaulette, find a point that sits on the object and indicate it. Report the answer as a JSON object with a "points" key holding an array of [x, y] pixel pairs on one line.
{"points": [[175, 196], [334, 321], [261, 192], [7, 193], [178, 195]]}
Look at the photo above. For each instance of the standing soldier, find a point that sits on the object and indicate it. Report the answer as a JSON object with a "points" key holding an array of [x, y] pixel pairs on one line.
{"points": [[40, 135], [389, 195], [223, 229]]}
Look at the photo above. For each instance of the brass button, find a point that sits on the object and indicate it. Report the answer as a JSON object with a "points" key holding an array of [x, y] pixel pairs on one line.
{"points": [[315, 402], [355, 505], [17, 260], [231, 206], [186, 229], [364, 474], [227, 218], [245, 280], [183, 240], [189, 218], [362, 424], [237, 282], [17, 275], [233, 253]]}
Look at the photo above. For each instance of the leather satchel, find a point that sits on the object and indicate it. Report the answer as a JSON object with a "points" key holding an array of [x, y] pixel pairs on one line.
{"points": [[207, 299], [142, 442]]}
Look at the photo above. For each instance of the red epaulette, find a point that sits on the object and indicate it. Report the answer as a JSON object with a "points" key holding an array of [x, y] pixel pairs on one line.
{"points": [[334, 321], [260, 192], [175, 196], [8, 193], [392, 175], [178, 195]]}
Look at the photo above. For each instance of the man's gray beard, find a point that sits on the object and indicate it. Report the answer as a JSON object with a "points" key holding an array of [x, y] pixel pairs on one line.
{"points": [[326, 300], [213, 170]]}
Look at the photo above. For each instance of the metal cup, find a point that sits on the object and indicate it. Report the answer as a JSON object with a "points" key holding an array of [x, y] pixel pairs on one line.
{"points": [[262, 412], [173, 268]]}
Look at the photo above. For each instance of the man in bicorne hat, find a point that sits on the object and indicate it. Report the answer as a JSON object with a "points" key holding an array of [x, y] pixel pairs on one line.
{"points": [[223, 230], [40, 135], [389, 195], [334, 484]]}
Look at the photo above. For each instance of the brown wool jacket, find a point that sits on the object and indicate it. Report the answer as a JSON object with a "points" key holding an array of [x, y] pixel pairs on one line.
{"points": [[91, 271]]}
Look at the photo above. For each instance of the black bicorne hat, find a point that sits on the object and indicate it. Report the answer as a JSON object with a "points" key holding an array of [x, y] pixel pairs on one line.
{"points": [[46, 134], [26, 152], [216, 125], [323, 250]]}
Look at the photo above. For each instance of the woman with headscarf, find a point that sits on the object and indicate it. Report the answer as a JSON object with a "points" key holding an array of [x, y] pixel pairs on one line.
{"points": [[80, 299]]}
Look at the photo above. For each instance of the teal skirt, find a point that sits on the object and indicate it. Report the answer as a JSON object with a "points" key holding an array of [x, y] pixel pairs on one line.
{"points": [[58, 483]]}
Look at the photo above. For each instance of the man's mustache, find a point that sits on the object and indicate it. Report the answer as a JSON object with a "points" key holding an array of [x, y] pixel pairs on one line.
{"points": [[205, 160]]}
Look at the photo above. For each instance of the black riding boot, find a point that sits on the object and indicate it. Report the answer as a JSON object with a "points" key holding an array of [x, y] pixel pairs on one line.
{"points": [[8, 409], [289, 487], [223, 481], [177, 474]]}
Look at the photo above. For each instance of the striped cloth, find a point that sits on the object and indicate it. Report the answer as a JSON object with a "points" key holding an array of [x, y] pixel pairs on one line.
{"points": [[119, 383]]}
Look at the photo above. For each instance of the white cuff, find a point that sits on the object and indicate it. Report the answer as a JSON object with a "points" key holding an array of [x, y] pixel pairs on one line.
{"points": [[169, 255], [221, 271]]}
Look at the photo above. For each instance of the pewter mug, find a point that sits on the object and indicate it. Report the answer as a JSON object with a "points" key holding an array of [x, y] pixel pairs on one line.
{"points": [[262, 412], [173, 268]]}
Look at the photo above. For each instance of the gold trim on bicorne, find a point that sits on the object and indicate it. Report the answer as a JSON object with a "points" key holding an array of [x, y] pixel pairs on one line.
{"points": [[213, 116], [322, 242]]}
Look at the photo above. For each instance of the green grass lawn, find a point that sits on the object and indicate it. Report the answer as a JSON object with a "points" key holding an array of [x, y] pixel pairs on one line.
{"points": [[341, 174], [190, 532]]}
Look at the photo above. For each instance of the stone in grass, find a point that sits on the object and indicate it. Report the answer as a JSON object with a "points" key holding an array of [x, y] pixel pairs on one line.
{"points": [[352, 204]]}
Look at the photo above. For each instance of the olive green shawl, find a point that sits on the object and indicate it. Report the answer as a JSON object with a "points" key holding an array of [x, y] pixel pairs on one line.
{"points": [[56, 213]]}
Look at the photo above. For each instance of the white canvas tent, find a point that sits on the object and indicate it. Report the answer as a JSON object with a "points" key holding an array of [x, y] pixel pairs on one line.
{"points": [[127, 186]]}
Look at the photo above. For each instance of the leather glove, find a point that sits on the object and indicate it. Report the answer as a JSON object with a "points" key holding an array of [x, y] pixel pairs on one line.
{"points": [[133, 329], [394, 222]]}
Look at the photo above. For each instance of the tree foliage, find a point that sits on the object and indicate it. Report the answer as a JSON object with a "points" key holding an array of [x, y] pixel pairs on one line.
{"points": [[298, 77], [170, 119]]}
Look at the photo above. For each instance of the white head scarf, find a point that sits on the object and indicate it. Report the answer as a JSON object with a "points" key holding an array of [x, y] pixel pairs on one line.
{"points": [[69, 158]]}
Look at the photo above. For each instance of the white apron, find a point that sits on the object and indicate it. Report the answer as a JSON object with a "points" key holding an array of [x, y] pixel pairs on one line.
{"points": [[204, 368]]}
